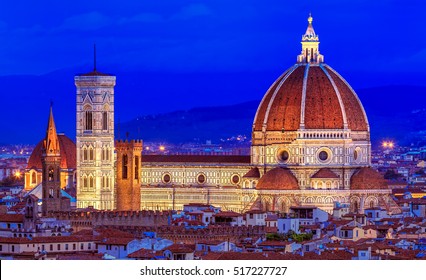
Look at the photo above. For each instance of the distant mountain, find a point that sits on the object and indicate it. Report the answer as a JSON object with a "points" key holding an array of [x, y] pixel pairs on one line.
{"points": [[162, 103], [198, 124], [390, 117]]}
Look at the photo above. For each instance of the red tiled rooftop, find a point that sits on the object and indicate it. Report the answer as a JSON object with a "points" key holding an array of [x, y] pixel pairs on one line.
{"points": [[367, 178], [11, 218], [145, 254], [67, 149], [280, 108], [181, 248], [278, 179], [325, 173], [227, 214], [252, 173]]}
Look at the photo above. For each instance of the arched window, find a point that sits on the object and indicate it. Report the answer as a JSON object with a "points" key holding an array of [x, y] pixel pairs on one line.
{"points": [[33, 178], [90, 182], [124, 166], [85, 156], [88, 123], [105, 121], [51, 174], [356, 206], [91, 154], [85, 182]]}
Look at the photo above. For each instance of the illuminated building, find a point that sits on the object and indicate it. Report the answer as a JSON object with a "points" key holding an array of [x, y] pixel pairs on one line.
{"points": [[95, 140], [310, 147]]}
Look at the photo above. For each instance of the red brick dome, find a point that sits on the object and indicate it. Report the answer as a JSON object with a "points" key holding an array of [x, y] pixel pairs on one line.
{"points": [[367, 178], [68, 154], [313, 96], [278, 179]]}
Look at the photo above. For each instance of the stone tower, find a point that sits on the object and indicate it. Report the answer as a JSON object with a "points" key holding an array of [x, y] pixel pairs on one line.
{"points": [[51, 164], [128, 175], [95, 140]]}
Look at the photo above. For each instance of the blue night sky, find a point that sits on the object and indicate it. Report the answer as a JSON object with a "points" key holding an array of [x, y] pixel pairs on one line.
{"points": [[371, 43]]}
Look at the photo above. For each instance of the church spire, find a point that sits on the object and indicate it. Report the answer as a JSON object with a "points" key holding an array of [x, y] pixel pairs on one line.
{"points": [[51, 143], [310, 45]]}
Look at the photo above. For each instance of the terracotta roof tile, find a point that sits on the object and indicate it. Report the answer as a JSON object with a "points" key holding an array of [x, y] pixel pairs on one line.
{"points": [[325, 173], [252, 173]]}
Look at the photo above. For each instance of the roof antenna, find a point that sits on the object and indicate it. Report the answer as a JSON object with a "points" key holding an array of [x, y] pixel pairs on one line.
{"points": [[94, 57]]}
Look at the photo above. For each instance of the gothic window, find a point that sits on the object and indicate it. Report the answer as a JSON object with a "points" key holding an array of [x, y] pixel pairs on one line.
{"points": [[33, 178], [88, 123], [51, 193], [124, 166], [85, 157], [136, 167], [85, 182], [91, 155], [105, 121], [90, 182], [51, 174]]}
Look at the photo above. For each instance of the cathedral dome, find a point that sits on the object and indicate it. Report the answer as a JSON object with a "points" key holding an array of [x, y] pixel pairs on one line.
{"points": [[367, 178], [278, 179], [310, 95], [67, 150]]}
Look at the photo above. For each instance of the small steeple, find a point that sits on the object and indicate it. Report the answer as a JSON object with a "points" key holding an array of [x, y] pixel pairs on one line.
{"points": [[51, 143], [310, 45]]}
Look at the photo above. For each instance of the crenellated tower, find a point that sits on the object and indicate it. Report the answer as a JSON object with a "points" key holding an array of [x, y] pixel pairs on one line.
{"points": [[95, 140], [128, 174]]}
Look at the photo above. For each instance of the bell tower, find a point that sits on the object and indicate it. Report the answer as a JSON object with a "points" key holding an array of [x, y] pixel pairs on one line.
{"points": [[95, 140], [51, 164]]}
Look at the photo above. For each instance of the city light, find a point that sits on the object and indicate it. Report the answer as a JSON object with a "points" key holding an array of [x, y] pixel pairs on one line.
{"points": [[162, 148], [17, 174], [388, 144]]}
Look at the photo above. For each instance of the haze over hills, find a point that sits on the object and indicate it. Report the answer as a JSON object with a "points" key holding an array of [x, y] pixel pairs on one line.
{"points": [[181, 107]]}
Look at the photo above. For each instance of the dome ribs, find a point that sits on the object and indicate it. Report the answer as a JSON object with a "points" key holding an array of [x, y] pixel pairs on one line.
{"points": [[329, 102], [354, 111], [322, 108], [263, 107], [285, 110]]}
